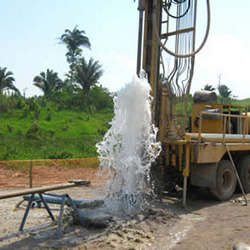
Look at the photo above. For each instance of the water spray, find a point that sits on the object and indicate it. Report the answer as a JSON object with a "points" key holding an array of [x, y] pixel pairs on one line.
{"points": [[129, 148]]}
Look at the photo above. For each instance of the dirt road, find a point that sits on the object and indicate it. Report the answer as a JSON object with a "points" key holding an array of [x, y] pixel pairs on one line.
{"points": [[216, 225]]}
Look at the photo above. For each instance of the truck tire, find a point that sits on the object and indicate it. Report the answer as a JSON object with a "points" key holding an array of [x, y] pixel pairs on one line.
{"points": [[225, 181], [244, 173]]}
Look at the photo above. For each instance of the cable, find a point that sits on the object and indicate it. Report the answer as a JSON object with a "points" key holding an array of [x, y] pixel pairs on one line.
{"points": [[182, 15], [190, 54], [178, 1]]}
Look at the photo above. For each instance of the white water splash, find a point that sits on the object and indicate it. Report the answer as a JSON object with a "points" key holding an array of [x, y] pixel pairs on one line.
{"points": [[129, 147]]}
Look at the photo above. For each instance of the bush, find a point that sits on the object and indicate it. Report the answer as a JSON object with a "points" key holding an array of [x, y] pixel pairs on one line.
{"points": [[25, 111], [33, 104], [5, 104], [100, 98], [19, 132], [48, 117], [34, 132], [36, 114], [10, 128], [6, 152], [62, 155], [51, 133], [20, 102]]}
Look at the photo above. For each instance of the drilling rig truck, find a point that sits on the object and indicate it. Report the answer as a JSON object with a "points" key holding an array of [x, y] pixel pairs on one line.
{"points": [[207, 144]]}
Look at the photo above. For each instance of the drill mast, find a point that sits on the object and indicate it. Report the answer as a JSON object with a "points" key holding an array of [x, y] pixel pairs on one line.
{"points": [[169, 37]]}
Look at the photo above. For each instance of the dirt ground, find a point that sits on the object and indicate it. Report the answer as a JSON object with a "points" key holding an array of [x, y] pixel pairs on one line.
{"points": [[205, 224], [43, 175]]}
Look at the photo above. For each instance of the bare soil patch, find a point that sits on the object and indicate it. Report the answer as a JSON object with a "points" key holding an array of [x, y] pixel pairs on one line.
{"points": [[205, 224], [44, 175]]}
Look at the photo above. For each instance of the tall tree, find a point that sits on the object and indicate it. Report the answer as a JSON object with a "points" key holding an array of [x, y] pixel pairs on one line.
{"points": [[209, 87], [74, 40], [48, 82], [7, 80], [87, 74], [224, 92]]}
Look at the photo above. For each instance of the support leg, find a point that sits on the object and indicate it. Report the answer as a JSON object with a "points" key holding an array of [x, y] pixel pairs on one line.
{"points": [[47, 207], [59, 229], [237, 175], [26, 212], [72, 204], [184, 199]]}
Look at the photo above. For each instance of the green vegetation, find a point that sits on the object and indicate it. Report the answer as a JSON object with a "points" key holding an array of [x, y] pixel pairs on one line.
{"points": [[7, 80], [73, 113], [48, 82], [226, 96], [224, 93], [209, 87], [74, 40], [45, 133], [243, 102], [67, 121]]}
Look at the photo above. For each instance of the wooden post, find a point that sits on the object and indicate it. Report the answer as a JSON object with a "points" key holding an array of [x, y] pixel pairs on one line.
{"points": [[30, 175]]}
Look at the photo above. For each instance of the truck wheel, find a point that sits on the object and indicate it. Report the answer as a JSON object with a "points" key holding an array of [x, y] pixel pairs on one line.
{"points": [[244, 173], [225, 181]]}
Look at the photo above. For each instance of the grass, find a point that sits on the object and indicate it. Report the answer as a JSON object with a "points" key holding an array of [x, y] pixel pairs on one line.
{"points": [[66, 134], [67, 124], [243, 102], [55, 134]]}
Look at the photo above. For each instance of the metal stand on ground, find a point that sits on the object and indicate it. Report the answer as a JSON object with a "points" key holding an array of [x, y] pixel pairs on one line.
{"points": [[65, 199], [28, 208], [36, 195], [236, 173]]}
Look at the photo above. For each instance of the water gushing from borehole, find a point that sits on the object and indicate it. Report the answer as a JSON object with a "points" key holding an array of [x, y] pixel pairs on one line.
{"points": [[129, 148]]}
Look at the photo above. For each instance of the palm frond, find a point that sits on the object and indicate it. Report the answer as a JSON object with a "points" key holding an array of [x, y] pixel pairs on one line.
{"points": [[7, 80]]}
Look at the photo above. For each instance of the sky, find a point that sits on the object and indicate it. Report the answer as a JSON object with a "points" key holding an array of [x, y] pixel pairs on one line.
{"points": [[30, 30]]}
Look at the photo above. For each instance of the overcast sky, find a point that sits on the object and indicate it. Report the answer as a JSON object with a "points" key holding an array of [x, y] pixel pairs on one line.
{"points": [[30, 30]]}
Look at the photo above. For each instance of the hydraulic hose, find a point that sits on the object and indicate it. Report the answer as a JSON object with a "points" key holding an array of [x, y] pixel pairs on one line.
{"points": [[182, 15], [155, 28]]}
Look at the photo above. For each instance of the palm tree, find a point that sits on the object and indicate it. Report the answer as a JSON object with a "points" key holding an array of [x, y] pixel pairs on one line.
{"points": [[7, 80], [48, 82], [209, 87], [224, 92], [74, 40], [87, 74]]}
